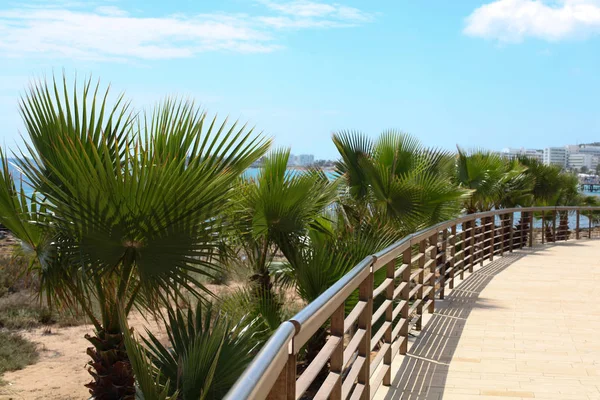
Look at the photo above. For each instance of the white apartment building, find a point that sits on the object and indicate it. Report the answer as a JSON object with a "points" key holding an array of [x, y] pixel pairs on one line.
{"points": [[555, 156], [512, 153]]}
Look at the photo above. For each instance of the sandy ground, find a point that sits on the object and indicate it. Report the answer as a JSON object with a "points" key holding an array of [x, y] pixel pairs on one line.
{"points": [[61, 370]]}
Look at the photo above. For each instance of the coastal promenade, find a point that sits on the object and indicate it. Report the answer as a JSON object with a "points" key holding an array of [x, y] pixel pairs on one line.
{"points": [[485, 306], [523, 326]]}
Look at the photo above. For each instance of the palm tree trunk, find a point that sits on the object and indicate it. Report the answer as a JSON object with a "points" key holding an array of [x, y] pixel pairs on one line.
{"points": [[563, 226], [110, 367], [262, 277]]}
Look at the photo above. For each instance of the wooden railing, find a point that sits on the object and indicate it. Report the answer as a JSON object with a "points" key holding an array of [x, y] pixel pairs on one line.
{"points": [[370, 312]]}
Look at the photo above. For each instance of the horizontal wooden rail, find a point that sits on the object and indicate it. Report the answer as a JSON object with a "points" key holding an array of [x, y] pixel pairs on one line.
{"points": [[368, 314]]}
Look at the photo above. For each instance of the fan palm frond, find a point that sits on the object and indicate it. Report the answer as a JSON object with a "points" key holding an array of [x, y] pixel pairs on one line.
{"points": [[207, 351]]}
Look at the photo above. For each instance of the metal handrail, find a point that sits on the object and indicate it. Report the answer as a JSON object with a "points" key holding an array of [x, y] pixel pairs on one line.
{"points": [[257, 380], [269, 366]]}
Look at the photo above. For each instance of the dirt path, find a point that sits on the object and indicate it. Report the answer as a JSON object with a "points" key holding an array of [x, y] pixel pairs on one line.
{"points": [[61, 371]]}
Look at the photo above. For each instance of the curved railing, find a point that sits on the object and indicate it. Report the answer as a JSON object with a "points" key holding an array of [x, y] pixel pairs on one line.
{"points": [[395, 288]]}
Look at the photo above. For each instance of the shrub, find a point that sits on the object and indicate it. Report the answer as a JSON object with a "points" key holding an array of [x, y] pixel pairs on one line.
{"points": [[16, 352]]}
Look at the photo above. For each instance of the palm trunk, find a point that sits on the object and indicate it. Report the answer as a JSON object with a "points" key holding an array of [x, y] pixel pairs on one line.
{"points": [[262, 277], [563, 226], [110, 367]]}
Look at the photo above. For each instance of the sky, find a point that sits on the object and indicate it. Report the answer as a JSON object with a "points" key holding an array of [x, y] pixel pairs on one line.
{"points": [[481, 74]]}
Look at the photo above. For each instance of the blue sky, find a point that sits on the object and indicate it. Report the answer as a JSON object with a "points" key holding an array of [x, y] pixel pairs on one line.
{"points": [[491, 74]]}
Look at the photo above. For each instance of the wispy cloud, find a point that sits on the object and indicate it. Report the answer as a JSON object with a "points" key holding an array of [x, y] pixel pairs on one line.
{"points": [[515, 20], [107, 32], [324, 13]]}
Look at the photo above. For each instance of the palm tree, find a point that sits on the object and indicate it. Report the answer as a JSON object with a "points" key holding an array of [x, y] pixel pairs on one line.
{"points": [[566, 195], [128, 211], [494, 182], [546, 180], [398, 180], [553, 187], [276, 208]]}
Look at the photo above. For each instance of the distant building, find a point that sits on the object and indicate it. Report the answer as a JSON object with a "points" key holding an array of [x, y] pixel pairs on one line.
{"points": [[579, 160], [512, 153], [587, 149], [579, 156], [305, 160], [555, 156], [292, 161]]}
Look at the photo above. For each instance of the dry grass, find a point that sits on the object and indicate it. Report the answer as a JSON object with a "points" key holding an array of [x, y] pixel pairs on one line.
{"points": [[16, 352]]}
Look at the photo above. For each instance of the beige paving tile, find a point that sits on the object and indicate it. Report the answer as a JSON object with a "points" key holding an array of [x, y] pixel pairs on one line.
{"points": [[524, 326]]}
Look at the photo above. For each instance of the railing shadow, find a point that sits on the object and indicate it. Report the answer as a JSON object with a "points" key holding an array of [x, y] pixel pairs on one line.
{"points": [[423, 372]]}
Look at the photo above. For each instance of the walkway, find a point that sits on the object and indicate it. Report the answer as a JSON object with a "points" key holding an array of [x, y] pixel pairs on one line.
{"points": [[524, 326]]}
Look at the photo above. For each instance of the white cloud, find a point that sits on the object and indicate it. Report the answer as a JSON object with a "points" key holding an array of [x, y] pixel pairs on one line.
{"points": [[112, 11], [515, 20], [108, 32], [311, 9]]}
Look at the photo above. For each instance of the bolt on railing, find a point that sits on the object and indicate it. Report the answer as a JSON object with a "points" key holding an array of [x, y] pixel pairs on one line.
{"points": [[372, 309]]}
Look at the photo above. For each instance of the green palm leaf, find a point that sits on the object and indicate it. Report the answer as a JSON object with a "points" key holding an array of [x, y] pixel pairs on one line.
{"points": [[207, 353]]}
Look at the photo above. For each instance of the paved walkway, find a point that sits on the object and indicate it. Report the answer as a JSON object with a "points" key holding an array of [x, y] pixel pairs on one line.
{"points": [[524, 326]]}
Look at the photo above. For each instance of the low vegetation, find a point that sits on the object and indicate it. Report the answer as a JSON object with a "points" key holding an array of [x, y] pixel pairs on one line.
{"points": [[16, 352], [119, 210]]}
